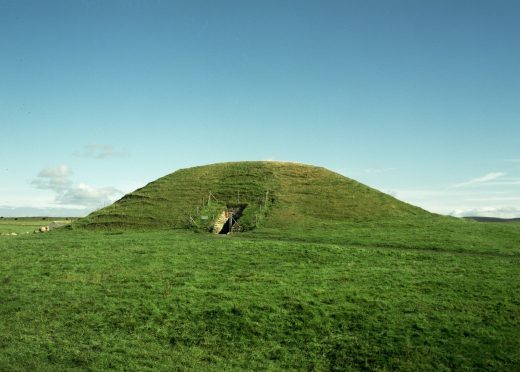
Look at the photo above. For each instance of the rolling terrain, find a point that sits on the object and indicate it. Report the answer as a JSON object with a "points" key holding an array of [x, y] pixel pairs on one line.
{"points": [[276, 194], [327, 274]]}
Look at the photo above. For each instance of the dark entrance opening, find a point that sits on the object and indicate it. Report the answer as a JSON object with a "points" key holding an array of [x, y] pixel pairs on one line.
{"points": [[234, 212], [228, 226]]}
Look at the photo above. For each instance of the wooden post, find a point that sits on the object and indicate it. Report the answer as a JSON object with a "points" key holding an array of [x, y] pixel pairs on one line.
{"points": [[266, 196]]}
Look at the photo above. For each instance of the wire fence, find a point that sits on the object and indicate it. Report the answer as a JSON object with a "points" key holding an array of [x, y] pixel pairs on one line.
{"points": [[263, 200]]}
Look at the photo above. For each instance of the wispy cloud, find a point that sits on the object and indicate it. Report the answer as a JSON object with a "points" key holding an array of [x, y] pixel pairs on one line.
{"points": [[10, 211], [506, 212], [481, 180], [54, 178], [442, 193], [465, 201], [88, 196], [506, 182], [58, 179], [100, 151]]}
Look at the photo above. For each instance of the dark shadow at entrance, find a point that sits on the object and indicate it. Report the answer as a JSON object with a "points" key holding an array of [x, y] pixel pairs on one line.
{"points": [[235, 212], [227, 226]]}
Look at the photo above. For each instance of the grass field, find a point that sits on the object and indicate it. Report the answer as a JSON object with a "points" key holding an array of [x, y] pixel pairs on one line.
{"points": [[430, 294]]}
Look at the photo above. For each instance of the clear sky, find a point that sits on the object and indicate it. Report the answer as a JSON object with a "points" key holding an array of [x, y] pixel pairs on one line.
{"points": [[419, 99]]}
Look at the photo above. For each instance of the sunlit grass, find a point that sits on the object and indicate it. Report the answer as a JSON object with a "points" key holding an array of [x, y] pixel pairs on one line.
{"points": [[265, 300]]}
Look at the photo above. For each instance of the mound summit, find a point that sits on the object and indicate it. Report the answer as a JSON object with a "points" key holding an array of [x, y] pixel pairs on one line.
{"points": [[244, 195]]}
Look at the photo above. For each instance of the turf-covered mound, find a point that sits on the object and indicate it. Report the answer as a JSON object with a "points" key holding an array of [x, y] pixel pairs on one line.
{"points": [[266, 193]]}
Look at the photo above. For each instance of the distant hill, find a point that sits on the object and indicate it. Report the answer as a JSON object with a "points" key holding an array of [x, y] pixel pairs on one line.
{"points": [[492, 219], [262, 193]]}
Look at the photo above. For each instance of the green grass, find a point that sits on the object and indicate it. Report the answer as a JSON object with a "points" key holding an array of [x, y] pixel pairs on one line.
{"points": [[328, 275], [403, 293], [436, 233]]}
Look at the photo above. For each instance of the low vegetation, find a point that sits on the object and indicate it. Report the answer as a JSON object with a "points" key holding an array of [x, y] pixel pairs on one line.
{"points": [[328, 275], [276, 194], [341, 299]]}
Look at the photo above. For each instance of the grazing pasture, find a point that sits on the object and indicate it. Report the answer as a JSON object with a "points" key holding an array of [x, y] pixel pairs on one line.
{"points": [[399, 294], [27, 225]]}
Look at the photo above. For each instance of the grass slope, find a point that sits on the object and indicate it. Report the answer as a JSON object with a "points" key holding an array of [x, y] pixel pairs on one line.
{"points": [[336, 276], [277, 194], [167, 300]]}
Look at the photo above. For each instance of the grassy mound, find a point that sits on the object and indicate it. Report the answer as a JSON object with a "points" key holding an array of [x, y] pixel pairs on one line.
{"points": [[338, 277], [275, 195]]}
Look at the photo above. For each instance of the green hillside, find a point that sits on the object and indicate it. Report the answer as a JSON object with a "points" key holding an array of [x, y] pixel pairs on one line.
{"points": [[273, 194], [328, 274]]}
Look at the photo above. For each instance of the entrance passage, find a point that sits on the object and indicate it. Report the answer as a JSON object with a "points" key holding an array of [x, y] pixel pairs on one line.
{"points": [[226, 223]]}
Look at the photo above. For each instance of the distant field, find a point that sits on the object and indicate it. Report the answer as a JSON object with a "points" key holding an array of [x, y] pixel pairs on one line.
{"points": [[493, 219], [24, 225], [436, 295]]}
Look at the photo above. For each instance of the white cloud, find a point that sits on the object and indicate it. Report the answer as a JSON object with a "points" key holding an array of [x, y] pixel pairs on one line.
{"points": [[88, 196], [505, 212], [10, 211], [502, 202], [438, 194], [100, 151], [56, 172], [55, 178], [481, 180], [58, 180], [505, 182]]}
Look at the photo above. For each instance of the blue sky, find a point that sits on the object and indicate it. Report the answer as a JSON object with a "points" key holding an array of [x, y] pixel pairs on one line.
{"points": [[420, 99]]}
